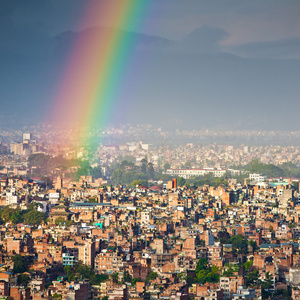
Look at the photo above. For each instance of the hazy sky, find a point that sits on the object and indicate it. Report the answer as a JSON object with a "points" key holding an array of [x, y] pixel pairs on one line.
{"points": [[243, 21], [256, 42]]}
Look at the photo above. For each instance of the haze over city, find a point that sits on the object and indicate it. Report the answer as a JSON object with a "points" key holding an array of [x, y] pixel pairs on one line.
{"points": [[149, 149], [193, 65]]}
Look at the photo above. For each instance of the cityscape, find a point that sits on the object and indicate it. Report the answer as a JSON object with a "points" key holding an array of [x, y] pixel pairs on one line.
{"points": [[149, 150]]}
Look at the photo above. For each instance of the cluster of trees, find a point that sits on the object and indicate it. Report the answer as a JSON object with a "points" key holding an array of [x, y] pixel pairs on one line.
{"points": [[287, 169], [21, 263], [29, 216], [205, 273], [207, 179], [253, 280], [86, 169], [62, 221], [128, 278], [45, 163], [127, 173], [84, 271]]}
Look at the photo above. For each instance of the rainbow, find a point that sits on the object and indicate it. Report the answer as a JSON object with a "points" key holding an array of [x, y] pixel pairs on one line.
{"points": [[94, 74]]}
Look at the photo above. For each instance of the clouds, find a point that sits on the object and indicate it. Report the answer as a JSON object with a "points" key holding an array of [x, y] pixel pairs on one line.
{"points": [[279, 49], [201, 61]]}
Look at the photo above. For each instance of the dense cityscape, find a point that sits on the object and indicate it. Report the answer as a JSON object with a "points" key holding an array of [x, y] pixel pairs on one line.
{"points": [[149, 150], [136, 220]]}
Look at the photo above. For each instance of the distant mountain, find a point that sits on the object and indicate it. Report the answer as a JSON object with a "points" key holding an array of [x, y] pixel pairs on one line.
{"points": [[190, 82]]}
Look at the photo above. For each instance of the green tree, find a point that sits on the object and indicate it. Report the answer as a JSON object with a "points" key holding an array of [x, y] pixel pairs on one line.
{"points": [[139, 182], [151, 276], [180, 181], [48, 181], [92, 200], [253, 245], [188, 164], [117, 176], [96, 172], [267, 283], [267, 286], [202, 264], [204, 273], [60, 221], [23, 279], [127, 277], [252, 278], [35, 217], [20, 264], [167, 166], [135, 280], [296, 185], [248, 264], [6, 214], [16, 217], [239, 244], [150, 171]]}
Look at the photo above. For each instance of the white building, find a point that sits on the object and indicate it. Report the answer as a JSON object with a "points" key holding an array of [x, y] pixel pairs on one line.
{"points": [[188, 173], [11, 198], [257, 177]]}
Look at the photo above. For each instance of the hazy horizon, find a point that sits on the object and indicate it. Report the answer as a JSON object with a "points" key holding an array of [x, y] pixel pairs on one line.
{"points": [[231, 66]]}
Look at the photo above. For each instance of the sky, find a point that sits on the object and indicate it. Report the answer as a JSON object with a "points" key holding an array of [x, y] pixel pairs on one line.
{"points": [[198, 63]]}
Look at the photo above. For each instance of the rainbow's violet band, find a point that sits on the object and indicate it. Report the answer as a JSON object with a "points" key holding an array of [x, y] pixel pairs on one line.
{"points": [[97, 63]]}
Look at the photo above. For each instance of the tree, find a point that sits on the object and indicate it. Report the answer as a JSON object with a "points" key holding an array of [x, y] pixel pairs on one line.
{"points": [[6, 214], [60, 221], [16, 217], [180, 181], [267, 283], [151, 276], [48, 181], [201, 265], [92, 200], [96, 172], [239, 244], [204, 273], [117, 176], [127, 277], [247, 265], [253, 245], [139, 183], [166, 166], [252, 278], [134, 280], [34, 217], [20, 265], [296, 185], [188, 164], [144, 167], [150, 171], [23, 279]]}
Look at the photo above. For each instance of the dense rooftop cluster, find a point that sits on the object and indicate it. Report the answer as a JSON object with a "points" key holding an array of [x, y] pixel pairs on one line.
{"points": [[79, 240], [138, 221]]}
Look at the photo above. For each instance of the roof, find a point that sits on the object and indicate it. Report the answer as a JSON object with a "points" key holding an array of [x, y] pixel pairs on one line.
{"points": [[88, 204], [266, 246], [274, 184]]}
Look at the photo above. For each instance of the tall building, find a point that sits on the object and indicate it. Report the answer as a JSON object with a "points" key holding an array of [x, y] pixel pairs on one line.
{"points": [[27, 136]]}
